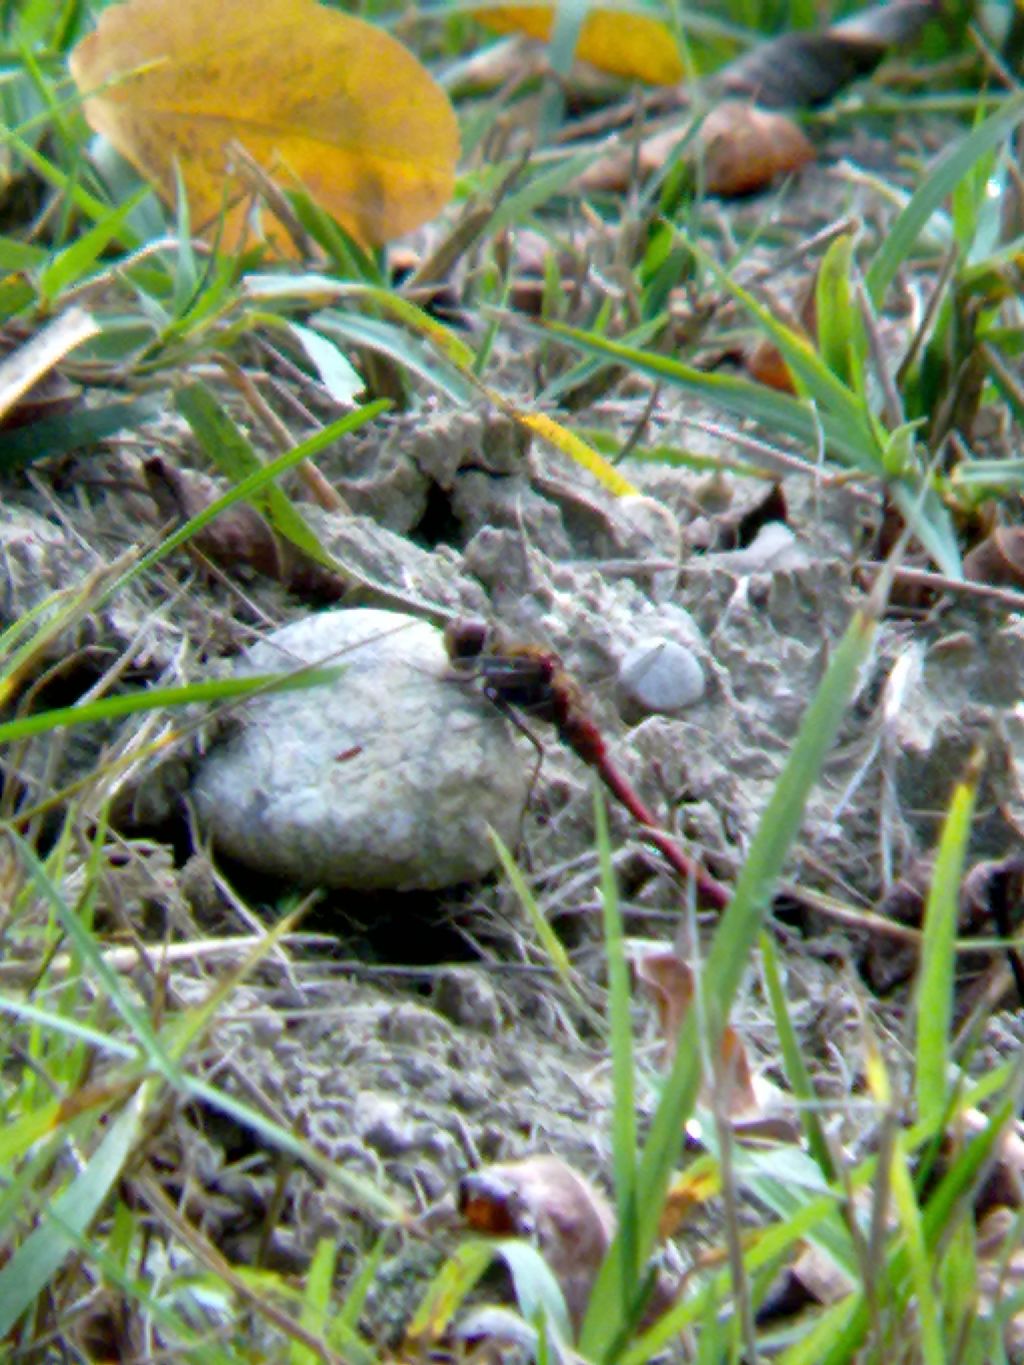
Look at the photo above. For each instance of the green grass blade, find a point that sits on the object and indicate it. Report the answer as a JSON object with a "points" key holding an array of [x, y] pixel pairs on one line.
{"points": [[356, 1188], [953, 1189], [934, 997], [552, 945], [15, 255], [230, 451], [14, 1138], [87, 203], [337, 373], [767, 1246], [585, 370], [624, 1135], [538, 1292], [949, 170], [19, 1135], [317, 290], [730, 950], [969, 1166], [114, 988], [799, 1078], [929, 1322], [922, 508], [518, 206], [316, 1300], [155, 698], [448, 1289], [566, 27], [778, 411], [71, 1028], [999, 476], [418, 320], [839, 326], [924, 511], [249, 487], [810, 1350], [70, 265], [40, 1256], [187, 273], [358, 1289], [351, 260], [408, 351], [66, 432], [822, 385]]}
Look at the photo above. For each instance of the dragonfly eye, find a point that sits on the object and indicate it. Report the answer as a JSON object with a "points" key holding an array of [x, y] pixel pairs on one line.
{"points": [[465, 638]]}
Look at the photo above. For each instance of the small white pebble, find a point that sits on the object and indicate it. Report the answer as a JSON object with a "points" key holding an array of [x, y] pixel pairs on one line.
{"points": [[659, 675]]}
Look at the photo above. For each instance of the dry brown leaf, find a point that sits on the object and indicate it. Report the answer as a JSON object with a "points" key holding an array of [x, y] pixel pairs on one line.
{"points": [[990, 894], [813, 1278], [618, 41], [766, 365], [518, 64], [543, 1198], [821, 1277], [1003, 1186], [745, 148], [670, 981], [527, 257], [239, 535], [741, 149], [989, 889], [612, 174], [765, 362], [744, 145], [756, 1109], [319, 99], [999, 559]]}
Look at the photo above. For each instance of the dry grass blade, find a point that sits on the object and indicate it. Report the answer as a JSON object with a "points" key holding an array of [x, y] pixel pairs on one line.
{"points": [[31, 362]]}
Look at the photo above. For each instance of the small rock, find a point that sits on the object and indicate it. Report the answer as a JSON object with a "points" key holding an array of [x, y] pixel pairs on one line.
{"points": [[385, 1124], [387, 778], [774, 547], [650, 530], [660, 676], [413, 1025], [647, 528], [467, 997]]}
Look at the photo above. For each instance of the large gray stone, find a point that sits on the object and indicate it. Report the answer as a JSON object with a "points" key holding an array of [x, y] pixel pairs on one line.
{"points": [[386, 778]]}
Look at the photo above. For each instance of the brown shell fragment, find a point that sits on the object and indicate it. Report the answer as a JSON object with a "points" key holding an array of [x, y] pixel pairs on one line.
{"points": [[999, 559]]}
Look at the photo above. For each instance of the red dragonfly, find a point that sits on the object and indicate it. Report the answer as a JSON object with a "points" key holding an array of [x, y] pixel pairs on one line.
{"points": [[530, 678]]}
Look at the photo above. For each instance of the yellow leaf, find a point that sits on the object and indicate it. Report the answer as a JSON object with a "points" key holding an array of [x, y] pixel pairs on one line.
{"points": [[575, 447], [624, 43], [320, 100], [687, 1192]]}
